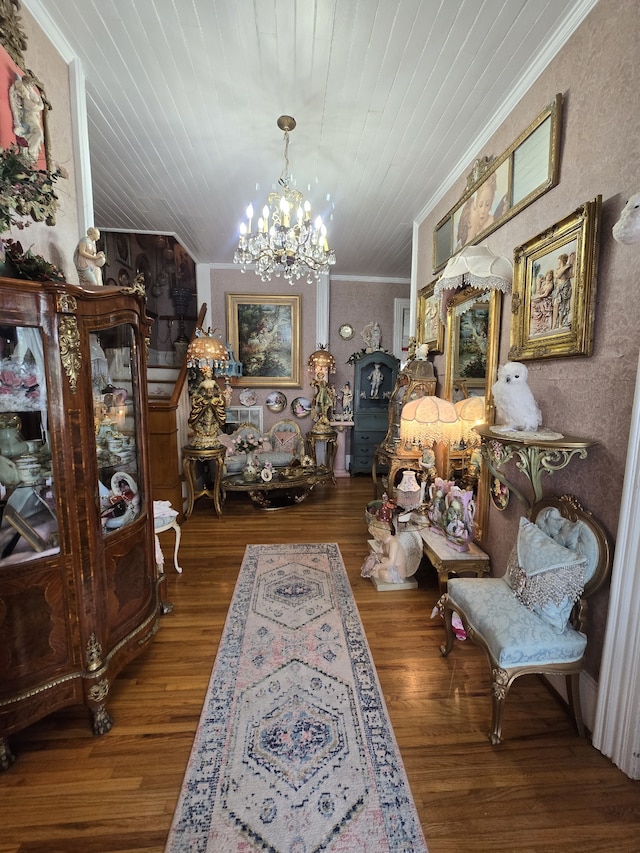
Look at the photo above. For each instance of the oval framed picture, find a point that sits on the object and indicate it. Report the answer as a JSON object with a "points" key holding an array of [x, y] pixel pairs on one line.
{"points": [[301, 407], [346, 331], [276, 401], [123, 278]]}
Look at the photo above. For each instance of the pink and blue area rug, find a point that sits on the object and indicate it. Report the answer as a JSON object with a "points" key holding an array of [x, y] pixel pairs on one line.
{"points": [[294, 751]]}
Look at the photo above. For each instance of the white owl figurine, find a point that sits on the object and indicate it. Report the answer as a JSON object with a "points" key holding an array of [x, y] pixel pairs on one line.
{"points": [[516, 407]]}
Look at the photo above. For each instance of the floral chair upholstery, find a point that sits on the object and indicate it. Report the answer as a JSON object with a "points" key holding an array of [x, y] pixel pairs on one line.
{"points": [[281, 445], [532, 619]]}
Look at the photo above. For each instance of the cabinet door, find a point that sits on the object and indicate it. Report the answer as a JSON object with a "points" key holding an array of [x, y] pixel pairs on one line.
{"points": [[115, 392], [29, 525]]}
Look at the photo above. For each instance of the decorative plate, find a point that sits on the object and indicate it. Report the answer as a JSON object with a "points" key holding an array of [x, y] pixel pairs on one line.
{"points": [[123, 278], [499, 494], [276, 401], [248, 398], [121, 483], [301, 407], [266, 474], [346, 331]]}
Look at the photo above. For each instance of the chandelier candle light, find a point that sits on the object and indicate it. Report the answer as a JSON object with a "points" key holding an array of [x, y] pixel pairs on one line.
{"points": [[292, 245]]}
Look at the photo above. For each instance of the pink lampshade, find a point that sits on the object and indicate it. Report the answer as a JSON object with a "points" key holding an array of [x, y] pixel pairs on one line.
{"points": [[471, 412], [428, 420]]}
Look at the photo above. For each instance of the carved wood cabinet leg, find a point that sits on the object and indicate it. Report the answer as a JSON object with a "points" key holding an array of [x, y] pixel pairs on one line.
{"points": [[102, 720], [6, 756]]}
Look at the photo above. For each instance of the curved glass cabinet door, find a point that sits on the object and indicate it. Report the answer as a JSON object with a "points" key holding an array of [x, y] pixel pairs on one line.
{"points": [[114, 381], [29, 525]]}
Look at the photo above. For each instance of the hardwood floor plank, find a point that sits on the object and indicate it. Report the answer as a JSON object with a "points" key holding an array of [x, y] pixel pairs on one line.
{"points": [[543, 790]]}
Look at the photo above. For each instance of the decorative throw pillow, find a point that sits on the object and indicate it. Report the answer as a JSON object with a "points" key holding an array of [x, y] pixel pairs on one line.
{"points": [[552, 576], [286, 441], [514, 575]]}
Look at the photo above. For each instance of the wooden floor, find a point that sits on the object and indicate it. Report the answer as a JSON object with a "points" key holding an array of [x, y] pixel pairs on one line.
{"points": [[544, 789]]}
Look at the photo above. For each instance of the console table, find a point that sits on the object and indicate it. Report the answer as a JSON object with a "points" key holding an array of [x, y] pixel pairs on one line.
{"points": [[283, 490], [447, 561]]}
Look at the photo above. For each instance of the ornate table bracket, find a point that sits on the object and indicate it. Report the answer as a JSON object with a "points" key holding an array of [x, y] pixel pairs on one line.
{"points": [[532, 456]]}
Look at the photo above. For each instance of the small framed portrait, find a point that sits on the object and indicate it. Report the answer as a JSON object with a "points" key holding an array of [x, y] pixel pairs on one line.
{"points": [[554, 288], [123, 249], [430, 328]]}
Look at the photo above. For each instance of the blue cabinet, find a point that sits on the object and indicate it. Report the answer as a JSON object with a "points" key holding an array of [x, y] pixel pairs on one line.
{"points": [[375, 379]]}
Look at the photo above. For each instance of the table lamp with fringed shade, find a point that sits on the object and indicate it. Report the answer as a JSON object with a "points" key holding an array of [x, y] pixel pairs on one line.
{"points": [[471, 412], [206, 350], [430, 422], [321, 363], [208, 408]]}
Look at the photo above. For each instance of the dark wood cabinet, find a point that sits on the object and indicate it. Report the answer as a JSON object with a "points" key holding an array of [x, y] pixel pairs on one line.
{"points": [[375, 378], [79, 593]]}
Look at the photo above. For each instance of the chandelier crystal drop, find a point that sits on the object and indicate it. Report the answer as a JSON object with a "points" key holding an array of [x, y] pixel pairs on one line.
{"points": [[286, 241]]}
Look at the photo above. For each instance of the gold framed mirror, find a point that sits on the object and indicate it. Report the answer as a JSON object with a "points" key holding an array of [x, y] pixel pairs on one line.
{"points": [[473, 331]]}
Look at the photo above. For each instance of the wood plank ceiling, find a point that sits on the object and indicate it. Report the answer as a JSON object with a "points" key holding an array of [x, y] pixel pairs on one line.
{"points": [[392, 101]]}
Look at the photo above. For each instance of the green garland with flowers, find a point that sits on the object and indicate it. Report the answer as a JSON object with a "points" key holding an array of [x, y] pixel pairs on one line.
{"points": [[25, 191]]}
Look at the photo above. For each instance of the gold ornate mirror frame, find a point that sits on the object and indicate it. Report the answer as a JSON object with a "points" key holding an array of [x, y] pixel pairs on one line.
{"points": [[464, 306]]}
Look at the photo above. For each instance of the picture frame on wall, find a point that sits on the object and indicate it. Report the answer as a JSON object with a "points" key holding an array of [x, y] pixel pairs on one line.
{"points": [[265, 332], [429, 326], [498, 189], [473, 323], [123, 249], [554, 288]]}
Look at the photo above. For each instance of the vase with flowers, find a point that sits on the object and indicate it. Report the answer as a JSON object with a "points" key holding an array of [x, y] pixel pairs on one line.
{"points": [[248, 443]]}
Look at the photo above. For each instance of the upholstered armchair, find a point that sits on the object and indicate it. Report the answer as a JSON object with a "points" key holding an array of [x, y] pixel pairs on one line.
{"points": [[533, 619]]}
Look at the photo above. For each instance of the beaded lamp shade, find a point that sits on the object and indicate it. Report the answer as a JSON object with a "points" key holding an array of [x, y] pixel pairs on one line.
{"points": [[205, 350], [426, 421]]}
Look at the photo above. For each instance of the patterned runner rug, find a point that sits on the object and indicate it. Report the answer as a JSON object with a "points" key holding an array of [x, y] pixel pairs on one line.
{"points": [[294, 751]]}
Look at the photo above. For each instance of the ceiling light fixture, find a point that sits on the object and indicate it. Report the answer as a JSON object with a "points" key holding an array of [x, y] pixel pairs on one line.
{"points": [[292, 245]]}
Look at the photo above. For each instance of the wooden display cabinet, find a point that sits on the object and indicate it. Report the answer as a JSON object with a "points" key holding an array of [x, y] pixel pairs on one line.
{"points": [[79, 590]]}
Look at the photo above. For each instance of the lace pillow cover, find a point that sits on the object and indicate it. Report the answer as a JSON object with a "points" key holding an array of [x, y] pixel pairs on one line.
{"points": [[545, 576]]}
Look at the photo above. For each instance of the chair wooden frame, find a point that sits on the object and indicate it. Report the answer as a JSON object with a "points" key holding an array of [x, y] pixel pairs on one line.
{"points": [[503, 677]]}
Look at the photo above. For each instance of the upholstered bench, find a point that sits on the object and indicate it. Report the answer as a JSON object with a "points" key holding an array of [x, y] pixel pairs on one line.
{"points": [[532, 619]]}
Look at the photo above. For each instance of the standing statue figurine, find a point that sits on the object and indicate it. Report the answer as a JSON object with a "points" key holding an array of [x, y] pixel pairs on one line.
{"points": [[208, 414], [87, 260], [322, 401], [347, 401], [375, 377], [26, 107], [372, 336]]}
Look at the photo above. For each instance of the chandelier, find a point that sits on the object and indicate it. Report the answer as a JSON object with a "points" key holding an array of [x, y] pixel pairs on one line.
{"points": [[286, 243]]}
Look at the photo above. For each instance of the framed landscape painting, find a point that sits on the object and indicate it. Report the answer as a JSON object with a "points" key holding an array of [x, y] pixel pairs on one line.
{"points": [[264, 331]]}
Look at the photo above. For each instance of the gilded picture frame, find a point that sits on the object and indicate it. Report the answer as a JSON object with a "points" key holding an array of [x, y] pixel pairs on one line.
{"points": [[264, 332], [554, 288], [429, 326], [499, 188], [469, 306]]}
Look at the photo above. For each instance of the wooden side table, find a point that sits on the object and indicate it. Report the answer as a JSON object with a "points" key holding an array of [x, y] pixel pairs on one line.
{"points": [[447, 561], [213, 459]]}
